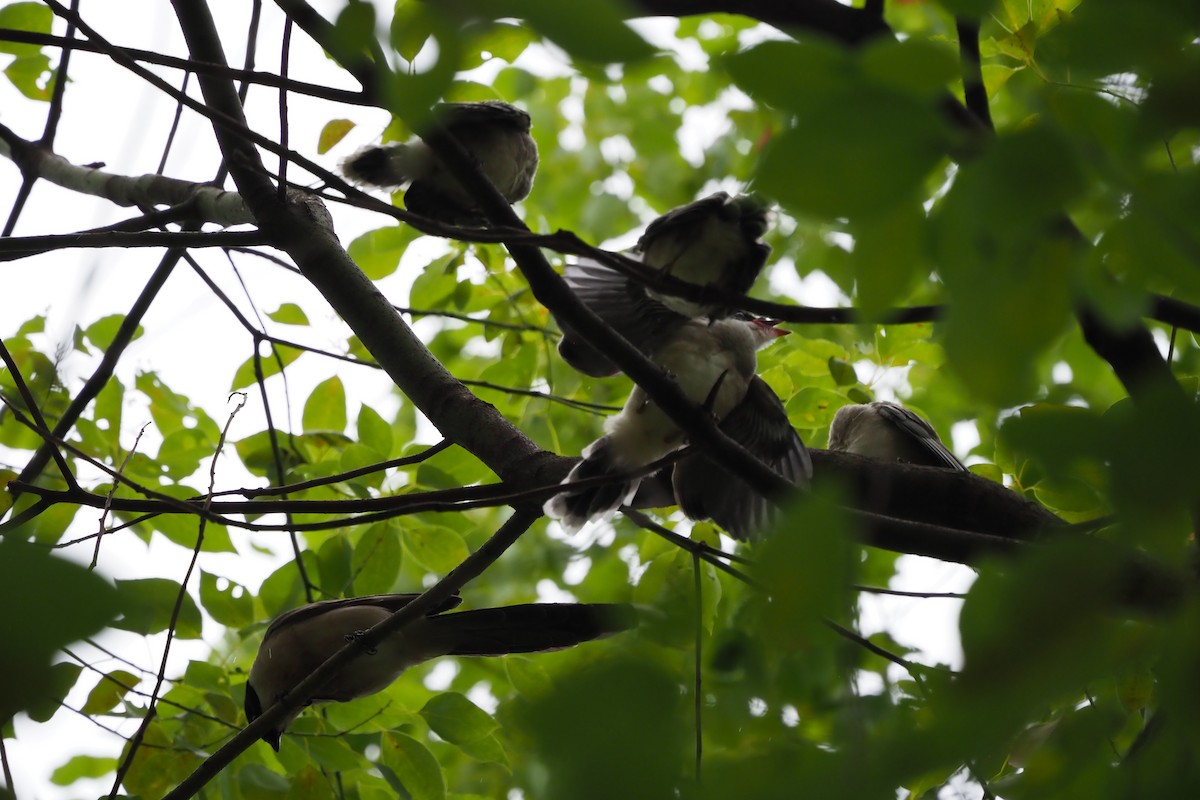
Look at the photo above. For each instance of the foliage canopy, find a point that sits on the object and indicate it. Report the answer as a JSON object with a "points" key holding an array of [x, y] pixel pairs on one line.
{"points": [[1022, 261]]}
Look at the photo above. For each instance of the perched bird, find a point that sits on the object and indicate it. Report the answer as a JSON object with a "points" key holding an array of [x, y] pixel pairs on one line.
{"points": [[711, 242], [889, 432], [300, 640], [714, 364], [494, 132]]}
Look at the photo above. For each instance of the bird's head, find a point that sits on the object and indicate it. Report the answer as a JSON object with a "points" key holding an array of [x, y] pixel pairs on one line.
{"points": [[254, 710]]}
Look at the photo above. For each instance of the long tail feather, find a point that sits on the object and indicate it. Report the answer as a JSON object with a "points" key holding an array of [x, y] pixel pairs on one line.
{"points": [[531, 628]]}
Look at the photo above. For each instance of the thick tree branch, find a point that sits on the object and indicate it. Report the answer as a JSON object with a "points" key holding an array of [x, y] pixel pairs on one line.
{"points": [[946, 498], [209, 203], [826, 17], [16, 247], [1133, 356]]}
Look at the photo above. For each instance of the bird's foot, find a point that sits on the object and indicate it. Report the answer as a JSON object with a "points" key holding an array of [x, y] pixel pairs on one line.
{"points": [[711, 400], [354, 637]]}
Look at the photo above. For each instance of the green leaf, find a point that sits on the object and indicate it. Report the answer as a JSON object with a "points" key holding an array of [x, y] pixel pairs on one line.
{"points": [[375, 563], [808, 577], [210, 678], [182, 451], [108, 407], [47, 690], [334, 131], [147, 605], [624, 711], [35, 324], [412, 25], [669, 584], [182, 529], [110, 691], [436, 548], [435, 286], [60, 603], [414, 766], [378, 252], [334, 754], [279, 357], [834, 163], [374, 431], [456, 719], [843, 372], [325, 409], [30, 75], [255, 780], [889, 255], [102, 332], [79, 767], [527, 676], [1006, 260], [229, 603], [594, 31], [7, 476], [791, 74], [289, 314], [506, 41], [33, 17], [172, 411], [924, 68]]}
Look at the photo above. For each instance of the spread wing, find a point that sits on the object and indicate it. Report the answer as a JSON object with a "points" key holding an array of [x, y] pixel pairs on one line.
{"points": [[705, 490], [623, 305]]}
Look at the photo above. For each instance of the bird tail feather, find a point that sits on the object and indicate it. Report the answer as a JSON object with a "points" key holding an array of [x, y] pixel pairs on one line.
{"points": [[387, 166], [530, 628], [575, 507]]}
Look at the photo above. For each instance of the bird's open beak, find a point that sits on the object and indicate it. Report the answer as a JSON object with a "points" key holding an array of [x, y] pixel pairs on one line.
{"points": [[772, 323]]}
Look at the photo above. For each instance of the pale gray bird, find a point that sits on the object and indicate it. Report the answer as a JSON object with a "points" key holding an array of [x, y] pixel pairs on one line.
{"points": [[711, 242], [494, 132], [889, 432], [714, 364], [300, 640]]}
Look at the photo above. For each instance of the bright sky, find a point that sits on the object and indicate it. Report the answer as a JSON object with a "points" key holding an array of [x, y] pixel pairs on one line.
{"points": [[80, 286]]}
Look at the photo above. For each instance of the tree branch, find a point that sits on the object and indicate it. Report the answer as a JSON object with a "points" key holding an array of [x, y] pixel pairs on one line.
{"points": [[827, 17]]}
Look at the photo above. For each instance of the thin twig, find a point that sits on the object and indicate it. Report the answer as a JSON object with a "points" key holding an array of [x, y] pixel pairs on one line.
{"points": [[112, 493]]}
